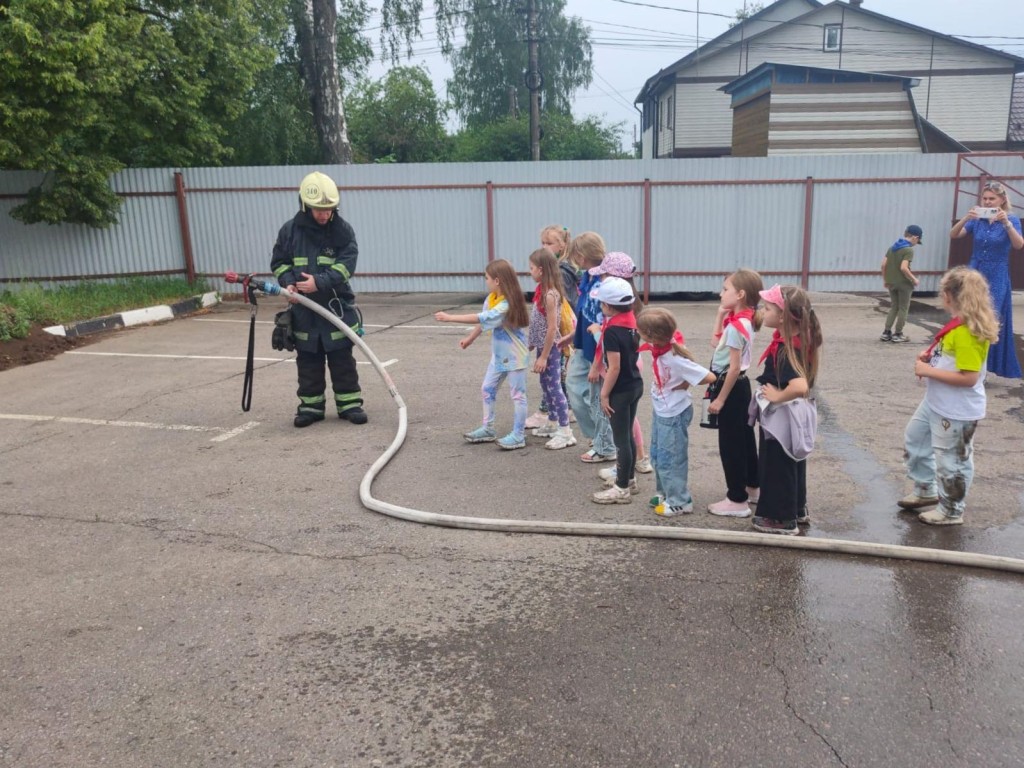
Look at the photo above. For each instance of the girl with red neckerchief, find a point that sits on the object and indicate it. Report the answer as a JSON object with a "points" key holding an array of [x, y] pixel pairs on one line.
{"points": [[940, 436], [674, 373], [738, 319], [790, 369]]}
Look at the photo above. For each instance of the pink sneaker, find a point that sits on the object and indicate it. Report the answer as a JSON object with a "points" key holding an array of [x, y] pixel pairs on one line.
{"points": [[729, 508]]}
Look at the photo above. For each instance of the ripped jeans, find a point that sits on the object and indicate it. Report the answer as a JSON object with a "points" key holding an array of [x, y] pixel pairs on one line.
{"points": [[940, 458]]}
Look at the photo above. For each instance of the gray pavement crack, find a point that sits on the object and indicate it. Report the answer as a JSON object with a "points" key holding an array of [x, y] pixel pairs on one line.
{"points": [[789, 705]]}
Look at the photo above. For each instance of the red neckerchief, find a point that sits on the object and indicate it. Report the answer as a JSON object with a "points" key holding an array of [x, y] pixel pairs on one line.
{"points": [[733, 318], [657, 352], [956, 322], [538, 299], [623, 320], [776, 343]]}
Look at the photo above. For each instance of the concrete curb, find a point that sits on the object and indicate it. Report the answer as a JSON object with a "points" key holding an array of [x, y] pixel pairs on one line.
{"points": [[135, 316]]}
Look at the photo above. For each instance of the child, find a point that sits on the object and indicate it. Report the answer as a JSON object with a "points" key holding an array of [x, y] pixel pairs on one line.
{"points": [[940, 435], [618, 264], [733, 336], [787, 434], [504, 314], [547, 308], [587, 251], [674, 374], [900, 282], [622, 385]]}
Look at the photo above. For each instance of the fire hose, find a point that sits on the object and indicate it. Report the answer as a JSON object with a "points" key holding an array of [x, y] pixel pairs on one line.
{"points": [[850, 547]]}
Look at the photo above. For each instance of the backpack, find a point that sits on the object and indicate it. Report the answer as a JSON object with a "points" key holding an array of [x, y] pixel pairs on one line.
{"points": [[566, 325]]}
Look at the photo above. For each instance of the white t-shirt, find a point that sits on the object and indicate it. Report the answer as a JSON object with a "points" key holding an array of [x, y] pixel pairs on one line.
{"points": [[674, 370]]}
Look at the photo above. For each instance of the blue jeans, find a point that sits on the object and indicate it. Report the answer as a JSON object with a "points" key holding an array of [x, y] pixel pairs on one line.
{"points": [[940, 458], [517, 388], [585, 401], [670, 445]]}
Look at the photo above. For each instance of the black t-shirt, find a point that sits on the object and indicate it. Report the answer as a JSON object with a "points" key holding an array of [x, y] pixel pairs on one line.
{"points": [[777, 369], [625, 341]]}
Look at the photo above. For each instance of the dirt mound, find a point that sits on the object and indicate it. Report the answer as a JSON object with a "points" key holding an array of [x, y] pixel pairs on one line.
{"points": [[36, 347]]}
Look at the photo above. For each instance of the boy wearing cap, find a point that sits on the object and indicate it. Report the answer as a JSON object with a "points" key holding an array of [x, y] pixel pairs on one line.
{"points": [[900, 282]]}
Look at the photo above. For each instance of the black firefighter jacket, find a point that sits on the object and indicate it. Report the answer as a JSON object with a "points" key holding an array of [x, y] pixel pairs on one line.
{"points": [[329, 254]]}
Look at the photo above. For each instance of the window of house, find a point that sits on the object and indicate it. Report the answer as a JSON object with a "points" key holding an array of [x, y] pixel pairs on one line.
{"points": [[833, 40], [670, 118]]}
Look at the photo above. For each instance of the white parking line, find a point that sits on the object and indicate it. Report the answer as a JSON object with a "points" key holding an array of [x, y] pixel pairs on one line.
{"points": [[446, 327], [385, 363], [225, 434]]}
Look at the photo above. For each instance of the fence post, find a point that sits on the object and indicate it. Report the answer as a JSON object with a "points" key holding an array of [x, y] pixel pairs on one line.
{"points": [[490, 221], [805, 263], [647, 240], [186, 235]]}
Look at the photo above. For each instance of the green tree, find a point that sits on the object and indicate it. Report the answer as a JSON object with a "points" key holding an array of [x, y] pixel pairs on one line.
{"points": [[562, 138], [88, 88], [748, 10], [488, 70], [398, 119]]}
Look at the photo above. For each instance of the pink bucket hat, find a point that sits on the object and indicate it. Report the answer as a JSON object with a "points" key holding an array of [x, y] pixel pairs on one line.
{"points": [[616, 264], [774, 296]]}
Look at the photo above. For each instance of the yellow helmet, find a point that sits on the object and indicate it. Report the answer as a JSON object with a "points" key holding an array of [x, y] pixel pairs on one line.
{"points": [[318, 191]]}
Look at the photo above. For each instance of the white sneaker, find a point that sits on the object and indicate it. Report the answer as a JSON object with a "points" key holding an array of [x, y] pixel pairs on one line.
{"points": [[538, 419], [547, 429], [608, 473], [644, 466], [613, 495], [563, 438]]}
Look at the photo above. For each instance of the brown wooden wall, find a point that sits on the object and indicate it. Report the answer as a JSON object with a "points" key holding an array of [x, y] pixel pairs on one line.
{"points": [[750, 127]]}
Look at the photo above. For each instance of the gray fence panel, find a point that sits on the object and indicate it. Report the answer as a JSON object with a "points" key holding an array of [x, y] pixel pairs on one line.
{"points": [[432, 218]]}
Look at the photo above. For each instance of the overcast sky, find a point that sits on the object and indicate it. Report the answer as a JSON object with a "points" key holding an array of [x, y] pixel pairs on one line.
{"points": [[632, 41]]}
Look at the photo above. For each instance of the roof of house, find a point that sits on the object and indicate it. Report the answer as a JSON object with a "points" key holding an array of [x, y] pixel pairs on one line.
{"points": [[1016, 132], [817, 6], [802, 73]]}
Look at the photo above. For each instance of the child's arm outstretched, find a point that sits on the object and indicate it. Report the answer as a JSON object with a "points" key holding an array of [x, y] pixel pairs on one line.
{"points": [[444, 317]]}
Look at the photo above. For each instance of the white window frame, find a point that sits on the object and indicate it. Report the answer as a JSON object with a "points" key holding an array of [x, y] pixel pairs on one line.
{"points": [[838, 46]]}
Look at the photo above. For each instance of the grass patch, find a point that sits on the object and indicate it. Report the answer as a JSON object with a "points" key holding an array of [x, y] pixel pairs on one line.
{"points": [[32, 305]]}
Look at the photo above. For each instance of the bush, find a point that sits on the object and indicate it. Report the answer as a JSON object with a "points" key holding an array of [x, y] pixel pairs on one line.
{"points": [[13, 323]]}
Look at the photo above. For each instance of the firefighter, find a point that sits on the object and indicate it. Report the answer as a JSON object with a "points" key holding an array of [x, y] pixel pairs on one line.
{"points": [[315, 255]]}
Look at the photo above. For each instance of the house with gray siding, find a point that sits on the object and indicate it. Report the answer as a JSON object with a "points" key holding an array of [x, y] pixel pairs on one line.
{"points": [[686, 112]]}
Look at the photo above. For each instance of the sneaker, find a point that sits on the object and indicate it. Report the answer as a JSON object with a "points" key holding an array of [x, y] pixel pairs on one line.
{"points": [[354, 415], [656, 501], [663, 511], [634, 489], [548, 429], [564, 438], [613, 495], [767, 525], [608, 473], [803, 517], [886, 335], [753, 495], [913, 501], [593, 457], [643, 466], [729, 508], [538, 419], [510, 442], [481, 435], [899, 338], [938, 517], [305, 418]]}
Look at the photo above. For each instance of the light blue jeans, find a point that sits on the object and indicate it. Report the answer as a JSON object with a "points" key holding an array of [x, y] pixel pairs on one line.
{"points": [[940, 458], [585, 401], [670, 447], [517, 388]]}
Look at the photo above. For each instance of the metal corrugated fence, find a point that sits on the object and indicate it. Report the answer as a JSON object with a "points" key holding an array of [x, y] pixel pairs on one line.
{"points": [[826, 220]]}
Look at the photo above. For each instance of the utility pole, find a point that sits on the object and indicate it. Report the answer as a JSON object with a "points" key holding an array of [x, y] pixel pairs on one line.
{"points": [[534, 81]]}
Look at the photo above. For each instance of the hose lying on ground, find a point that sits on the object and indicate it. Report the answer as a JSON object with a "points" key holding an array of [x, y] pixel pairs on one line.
{"points": [[863, 548]]}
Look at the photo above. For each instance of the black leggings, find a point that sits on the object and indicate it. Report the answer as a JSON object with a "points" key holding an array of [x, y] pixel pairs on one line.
{"points": [[736, 445], [624, 404]]}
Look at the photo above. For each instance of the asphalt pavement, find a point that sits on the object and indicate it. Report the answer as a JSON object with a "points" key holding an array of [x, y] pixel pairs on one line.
{"points": [[187, 584]]}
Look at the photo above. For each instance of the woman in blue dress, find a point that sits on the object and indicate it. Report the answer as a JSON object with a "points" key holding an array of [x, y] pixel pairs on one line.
{"points": [[996, 231]]}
